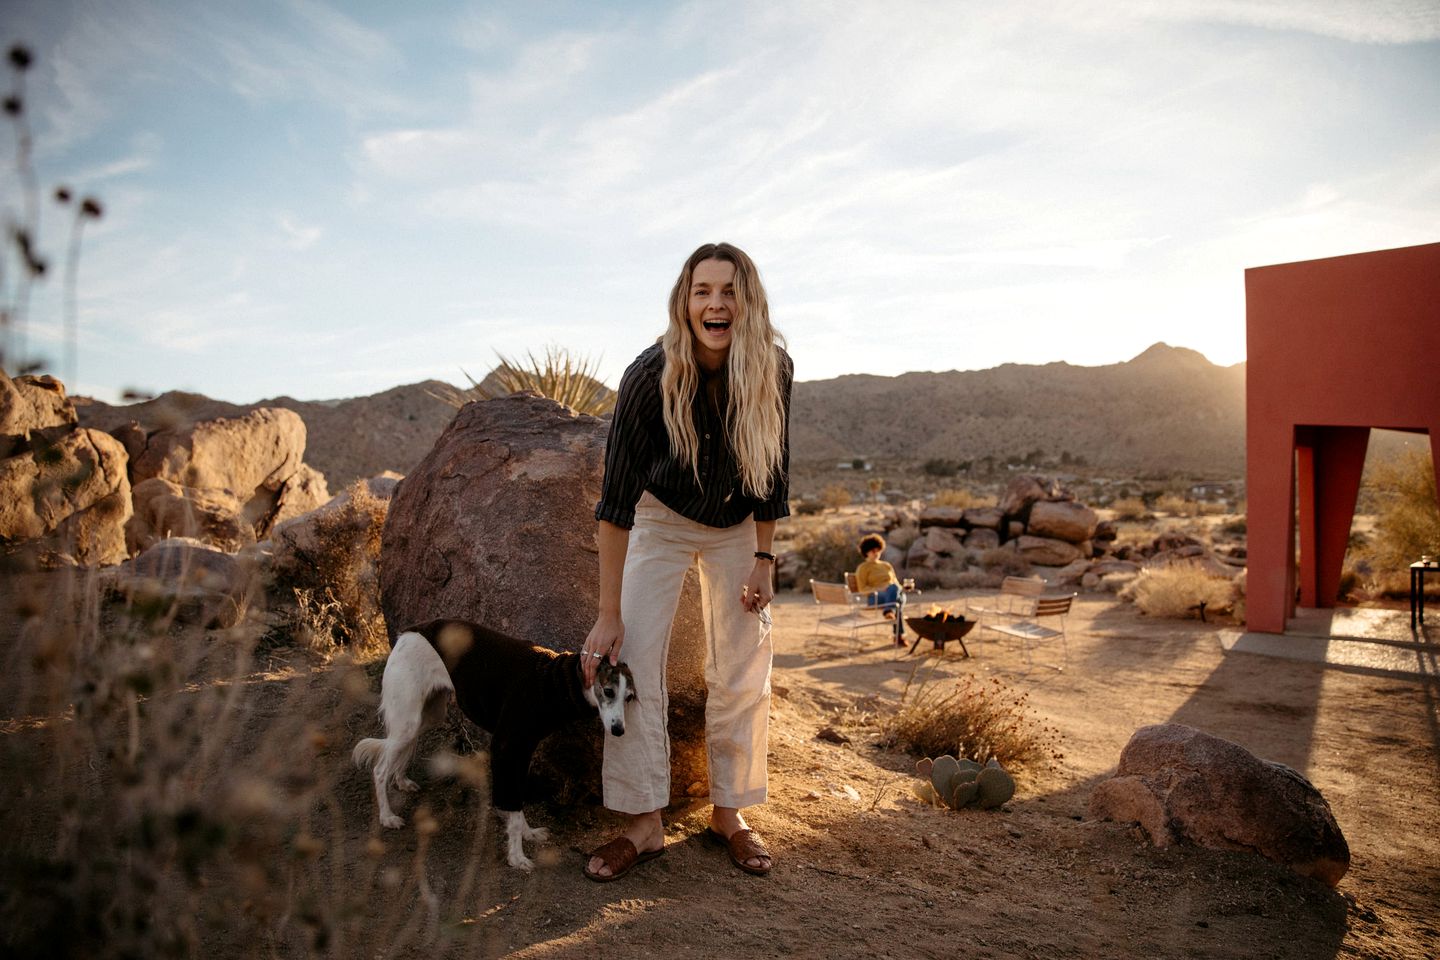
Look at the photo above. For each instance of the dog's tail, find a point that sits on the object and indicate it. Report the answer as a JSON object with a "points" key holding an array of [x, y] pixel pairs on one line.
{"points": [[413, 694], [367, 751]]}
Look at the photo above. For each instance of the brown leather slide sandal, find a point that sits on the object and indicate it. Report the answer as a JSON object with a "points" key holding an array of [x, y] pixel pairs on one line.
{"points": [[621, 857], [745, 845]]}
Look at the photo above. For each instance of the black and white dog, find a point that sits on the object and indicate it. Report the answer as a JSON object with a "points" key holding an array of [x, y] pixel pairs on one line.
{"points": [[517, 691]]}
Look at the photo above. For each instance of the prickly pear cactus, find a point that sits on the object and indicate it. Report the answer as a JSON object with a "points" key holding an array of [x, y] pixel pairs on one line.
{"points": [[964, 795], [962, 783], [995, 786], [942, 775]]}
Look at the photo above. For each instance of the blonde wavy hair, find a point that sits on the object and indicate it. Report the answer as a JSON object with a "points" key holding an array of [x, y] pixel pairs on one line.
{"points": [[755, 414]]}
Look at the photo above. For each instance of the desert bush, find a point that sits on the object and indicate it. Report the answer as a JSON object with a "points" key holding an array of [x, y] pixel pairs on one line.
{"points": [[806, 508], [1005, 562], [334, 578], [827, 552], [1407, 521], [970, 718], [1130, 508], [555, 374], [963, 579], [835, 496], [963, 498], [1177, 506], [1236, 527], [1171, 592], [190, 803]]}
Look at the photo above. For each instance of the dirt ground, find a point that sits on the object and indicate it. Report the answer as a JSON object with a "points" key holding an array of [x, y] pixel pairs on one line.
{"points": [[865, 870]]}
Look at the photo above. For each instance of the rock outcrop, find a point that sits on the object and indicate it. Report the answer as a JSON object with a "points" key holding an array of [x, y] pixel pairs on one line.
{"points": [[496, 525], [29, 406], [228, 481], [1181, 784], [60, 485]]}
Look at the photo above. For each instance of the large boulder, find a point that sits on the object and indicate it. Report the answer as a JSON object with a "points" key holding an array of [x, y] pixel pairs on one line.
{"points": [[1047, 552], [981, 539], [73, 494], [240, 454], [933, 516], [1181, 784], [207, 584], [944, 541], [243, 472], [987, 517], [1062, 520], [1025, 489], [497, 525], [165, 509], [30, 405]]}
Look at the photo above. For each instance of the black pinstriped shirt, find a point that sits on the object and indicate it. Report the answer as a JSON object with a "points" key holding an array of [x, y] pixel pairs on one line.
{"points": [[638, 458]]}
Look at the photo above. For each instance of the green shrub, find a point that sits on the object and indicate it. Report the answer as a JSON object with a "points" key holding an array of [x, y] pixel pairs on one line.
{"points": [[1407, 522], [555, 374]]}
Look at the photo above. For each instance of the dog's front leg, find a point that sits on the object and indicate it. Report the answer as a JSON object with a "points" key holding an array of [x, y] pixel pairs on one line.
{"points": [[516, 831]]}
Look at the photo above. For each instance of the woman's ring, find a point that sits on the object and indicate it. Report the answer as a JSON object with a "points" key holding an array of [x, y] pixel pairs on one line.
{"points": [[597, 656]]}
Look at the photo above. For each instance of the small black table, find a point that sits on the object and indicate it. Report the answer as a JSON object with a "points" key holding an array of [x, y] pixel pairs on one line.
{"points": [[1419, 570]]}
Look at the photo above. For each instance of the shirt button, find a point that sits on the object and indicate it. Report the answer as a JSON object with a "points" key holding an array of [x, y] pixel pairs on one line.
{"points": [[707, 436]]}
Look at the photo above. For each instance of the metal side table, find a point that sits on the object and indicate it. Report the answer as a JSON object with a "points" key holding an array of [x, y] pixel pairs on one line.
{"points": [[1419, 570]]}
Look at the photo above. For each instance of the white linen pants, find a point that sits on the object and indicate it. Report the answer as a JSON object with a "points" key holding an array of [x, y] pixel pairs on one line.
{"points": [[738, 653]]}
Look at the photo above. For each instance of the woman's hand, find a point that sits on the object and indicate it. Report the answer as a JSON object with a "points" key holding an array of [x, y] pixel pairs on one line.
{"points": [[604, 641], [759, 587]]}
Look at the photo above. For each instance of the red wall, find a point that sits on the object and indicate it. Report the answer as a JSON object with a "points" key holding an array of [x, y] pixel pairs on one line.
{"points": [[1344, 342]]}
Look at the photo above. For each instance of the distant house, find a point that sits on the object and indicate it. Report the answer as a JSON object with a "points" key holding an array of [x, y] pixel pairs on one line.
{"points": [[1211, 491]]}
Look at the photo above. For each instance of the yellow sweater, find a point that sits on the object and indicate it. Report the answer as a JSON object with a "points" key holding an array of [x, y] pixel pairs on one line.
{"points": [[873, 575]]}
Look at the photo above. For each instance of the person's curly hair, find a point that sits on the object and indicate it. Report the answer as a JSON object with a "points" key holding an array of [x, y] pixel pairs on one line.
{"points": [[872, 541]]}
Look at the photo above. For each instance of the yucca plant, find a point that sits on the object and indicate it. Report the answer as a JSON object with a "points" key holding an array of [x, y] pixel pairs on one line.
{"points": [[556, 374]]}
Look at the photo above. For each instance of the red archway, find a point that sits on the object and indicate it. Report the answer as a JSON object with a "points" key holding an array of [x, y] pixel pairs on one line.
{"points": [[1335, 347]]}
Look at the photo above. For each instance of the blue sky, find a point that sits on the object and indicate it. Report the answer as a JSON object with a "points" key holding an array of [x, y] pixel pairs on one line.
{"points": [[329, 199]]}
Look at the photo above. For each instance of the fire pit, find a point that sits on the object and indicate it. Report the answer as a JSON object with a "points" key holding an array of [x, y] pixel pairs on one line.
{"points": [[940, 626]]}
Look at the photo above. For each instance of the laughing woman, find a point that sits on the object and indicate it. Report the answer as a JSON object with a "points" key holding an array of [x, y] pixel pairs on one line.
{"points": [[696, 471]]}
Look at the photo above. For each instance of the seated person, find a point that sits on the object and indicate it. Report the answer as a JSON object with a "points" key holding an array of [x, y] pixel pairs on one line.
{"points": [[877, 578]]}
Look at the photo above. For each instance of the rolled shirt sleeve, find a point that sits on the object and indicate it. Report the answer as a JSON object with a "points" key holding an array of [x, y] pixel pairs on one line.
{"points": [[628, 450]]}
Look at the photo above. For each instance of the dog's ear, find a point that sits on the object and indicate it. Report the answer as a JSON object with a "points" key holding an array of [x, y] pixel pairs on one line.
{"points": [[624, 669]]}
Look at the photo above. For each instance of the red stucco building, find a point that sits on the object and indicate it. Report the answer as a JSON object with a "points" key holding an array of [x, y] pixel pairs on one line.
{"points": [[1335, 347]]}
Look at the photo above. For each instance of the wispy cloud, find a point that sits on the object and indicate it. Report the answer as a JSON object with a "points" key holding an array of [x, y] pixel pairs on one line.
{"points": [[1358, 21]]}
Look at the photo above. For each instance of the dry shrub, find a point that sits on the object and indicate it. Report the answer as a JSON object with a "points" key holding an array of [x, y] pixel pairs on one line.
{"points": [[1130, 508], [971, 718], [1005, 562], [962, 498], [827, 552], [169, 793], [334, 577], [1407, 522], [1177, 506], [1174, 592], [835, 496]]}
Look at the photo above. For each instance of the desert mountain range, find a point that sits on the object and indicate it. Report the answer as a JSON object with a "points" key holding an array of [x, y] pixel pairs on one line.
{"points": [[1167, 409]]}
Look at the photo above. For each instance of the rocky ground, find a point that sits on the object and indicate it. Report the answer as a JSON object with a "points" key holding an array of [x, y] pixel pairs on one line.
{"points": [[863, 869]]}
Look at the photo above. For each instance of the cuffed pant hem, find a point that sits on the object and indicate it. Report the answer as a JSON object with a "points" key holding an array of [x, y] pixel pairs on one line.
{"points": [[740, 800]]}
